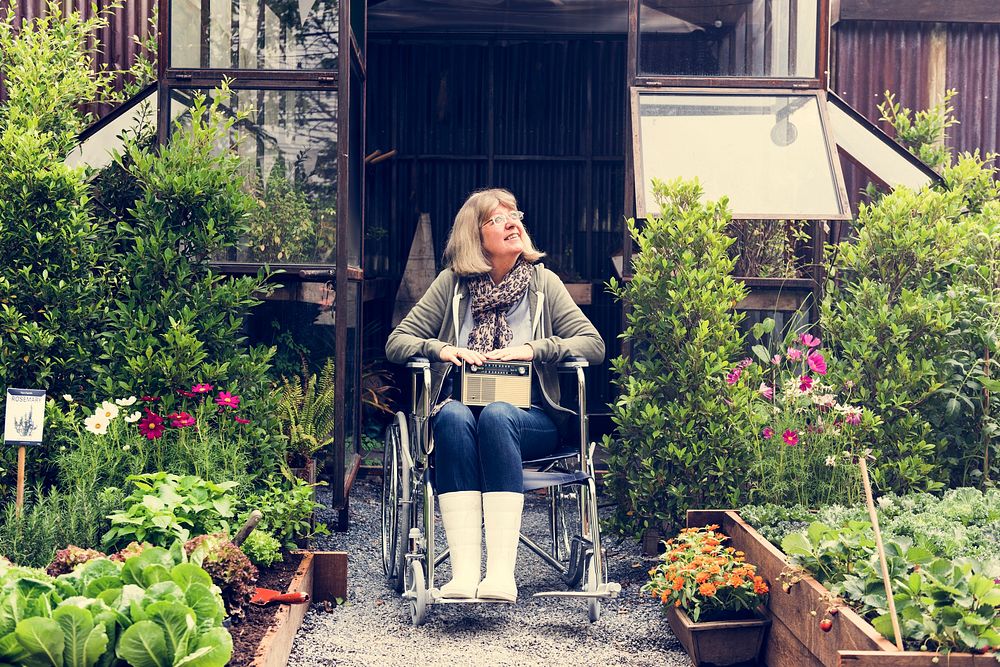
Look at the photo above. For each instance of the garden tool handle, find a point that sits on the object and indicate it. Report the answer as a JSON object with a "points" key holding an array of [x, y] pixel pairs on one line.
{"points": [[291, 598], [248, 527]]}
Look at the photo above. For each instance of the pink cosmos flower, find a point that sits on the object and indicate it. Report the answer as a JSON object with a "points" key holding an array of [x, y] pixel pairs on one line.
{"points": [[151, 426], [733, 376], [794, 353], [181, 419], [150, 399], [816, 363], [240, 420], [201, 388], [776, 359], [227, 400], [809, 340], [766, 391], [185, 393], [790, 437], [852, 416], [768, 432], [805, 383]]}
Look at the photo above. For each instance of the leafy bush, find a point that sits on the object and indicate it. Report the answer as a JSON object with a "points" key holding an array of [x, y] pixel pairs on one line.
{"points": [[174, 321], [942, 605], [165, 507], [706, 579], [262, 548], [229, 568], [288, 511], [51, 274], [679, 443], [155, 609]]}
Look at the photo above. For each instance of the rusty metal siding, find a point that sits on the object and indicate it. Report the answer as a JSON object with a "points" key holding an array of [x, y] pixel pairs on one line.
{"points": [[974, 70], [118, 48]]}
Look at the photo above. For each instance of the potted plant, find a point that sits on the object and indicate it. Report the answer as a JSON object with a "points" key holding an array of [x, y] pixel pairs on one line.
{"points": [[711, 597], [306, 408]]}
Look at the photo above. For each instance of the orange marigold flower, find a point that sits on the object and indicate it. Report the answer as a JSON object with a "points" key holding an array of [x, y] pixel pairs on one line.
{"points": [[714, 526], [706, 589], [759, 586], [735, 581], [714, 569], [678, 583], [707, 549], [740, 554], [677, 603], [702, 577], [711, 541], [664, 596], [730, 550]]}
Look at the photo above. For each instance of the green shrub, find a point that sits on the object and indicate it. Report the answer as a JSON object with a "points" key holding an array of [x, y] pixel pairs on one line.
{"points": [[174, 322], [165, 508], [51, 247], [288, 511], [679, 443]]}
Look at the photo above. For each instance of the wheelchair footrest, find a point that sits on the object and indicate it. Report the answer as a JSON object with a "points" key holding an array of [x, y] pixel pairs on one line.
{"points": [[609, 590]]}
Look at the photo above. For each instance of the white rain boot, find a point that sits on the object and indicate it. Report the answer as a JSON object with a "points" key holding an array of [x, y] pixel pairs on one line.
{"points": [[502, 511], [462, 516]]}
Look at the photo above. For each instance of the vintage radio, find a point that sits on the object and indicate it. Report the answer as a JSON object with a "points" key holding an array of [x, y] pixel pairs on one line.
{"points": [[508, 381]]}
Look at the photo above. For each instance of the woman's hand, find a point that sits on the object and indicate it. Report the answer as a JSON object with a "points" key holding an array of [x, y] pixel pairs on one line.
{"points": [[519, 353], [458, 354]]}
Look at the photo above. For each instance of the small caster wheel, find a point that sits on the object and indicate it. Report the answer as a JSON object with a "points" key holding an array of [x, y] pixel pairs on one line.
{"points": [[415, 585], [592, 583]]}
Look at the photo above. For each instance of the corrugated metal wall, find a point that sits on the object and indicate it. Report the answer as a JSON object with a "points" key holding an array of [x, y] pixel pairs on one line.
{"points": [[118, 49], [872, 57]]}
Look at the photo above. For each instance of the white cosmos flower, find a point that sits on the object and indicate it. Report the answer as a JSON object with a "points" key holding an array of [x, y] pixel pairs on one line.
{"points": [[831, 461], [67, 398], [134, 417], [125, 402], [108, 410], [96, 424], [126, 447]]}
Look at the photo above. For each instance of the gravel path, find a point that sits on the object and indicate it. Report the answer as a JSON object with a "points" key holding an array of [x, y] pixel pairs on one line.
{"points": [[374, 628]]}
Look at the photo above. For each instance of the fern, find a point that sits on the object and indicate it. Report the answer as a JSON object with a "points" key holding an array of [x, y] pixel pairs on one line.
{"points": [[306, 410]]}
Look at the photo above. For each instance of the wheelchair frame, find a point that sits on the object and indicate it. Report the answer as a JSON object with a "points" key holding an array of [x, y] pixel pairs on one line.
{"points": [[408, 546]]}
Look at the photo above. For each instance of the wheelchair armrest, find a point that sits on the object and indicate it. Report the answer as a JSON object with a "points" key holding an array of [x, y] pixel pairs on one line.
{"points": [[572, 363], [418, 363]]}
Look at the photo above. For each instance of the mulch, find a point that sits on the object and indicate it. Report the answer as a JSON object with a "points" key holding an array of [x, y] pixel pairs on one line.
{"points": [[258, 620]]}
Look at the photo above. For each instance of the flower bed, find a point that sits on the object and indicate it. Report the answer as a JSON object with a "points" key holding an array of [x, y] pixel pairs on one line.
{"points": [[795, 639]]}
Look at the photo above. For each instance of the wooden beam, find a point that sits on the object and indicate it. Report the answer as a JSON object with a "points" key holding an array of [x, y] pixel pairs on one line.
{"points": [[955, 11]]}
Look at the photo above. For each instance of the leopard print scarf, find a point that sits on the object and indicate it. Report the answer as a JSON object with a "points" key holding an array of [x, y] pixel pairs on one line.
{"points": [[490, 304]]}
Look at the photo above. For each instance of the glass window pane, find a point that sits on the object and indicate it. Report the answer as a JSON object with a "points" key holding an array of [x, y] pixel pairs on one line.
{"points": [[289, 143], [358, 9], [239, 34], [746, 38], [868, 145], [767, 153], [98, 147]]}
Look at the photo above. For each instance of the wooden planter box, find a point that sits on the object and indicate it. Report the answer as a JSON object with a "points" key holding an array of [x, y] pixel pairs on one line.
{"points": [[719, 643], [795, 639], [323, 576]]}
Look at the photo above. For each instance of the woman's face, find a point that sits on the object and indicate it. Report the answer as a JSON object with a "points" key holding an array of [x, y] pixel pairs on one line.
{"points": [[501, 233]]}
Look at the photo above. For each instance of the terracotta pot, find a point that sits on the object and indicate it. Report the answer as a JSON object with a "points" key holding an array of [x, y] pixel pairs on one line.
{"points": [[719, 642]]}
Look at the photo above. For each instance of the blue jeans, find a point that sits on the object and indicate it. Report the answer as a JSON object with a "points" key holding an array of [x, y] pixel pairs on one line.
{"points": [[486, 454]]}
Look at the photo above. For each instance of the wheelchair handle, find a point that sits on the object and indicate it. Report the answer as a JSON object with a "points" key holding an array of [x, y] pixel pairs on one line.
{"points": [[572, 363], [418, 363]]}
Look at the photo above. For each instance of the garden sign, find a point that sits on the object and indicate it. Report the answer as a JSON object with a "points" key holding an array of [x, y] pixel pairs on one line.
{"points": [[25, 419]]}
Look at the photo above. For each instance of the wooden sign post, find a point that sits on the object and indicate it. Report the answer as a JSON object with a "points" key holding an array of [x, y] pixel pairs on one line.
{"points": [[870, 500], [23, 425]]}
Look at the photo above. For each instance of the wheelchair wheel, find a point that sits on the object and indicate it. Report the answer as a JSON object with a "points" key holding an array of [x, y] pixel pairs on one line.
{"points": [[395, 515], [590, 585], [416, 586]]}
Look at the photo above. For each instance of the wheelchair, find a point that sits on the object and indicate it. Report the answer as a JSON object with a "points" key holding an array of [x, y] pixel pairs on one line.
{"points": [[566, 476]]}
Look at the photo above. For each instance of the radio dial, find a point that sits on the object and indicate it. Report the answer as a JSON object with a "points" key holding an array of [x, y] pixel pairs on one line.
{"points": [[521, 370], [473, 368]]}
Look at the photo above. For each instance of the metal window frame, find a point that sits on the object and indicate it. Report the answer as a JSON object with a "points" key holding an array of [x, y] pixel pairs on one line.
{"points": [[833, 162]]}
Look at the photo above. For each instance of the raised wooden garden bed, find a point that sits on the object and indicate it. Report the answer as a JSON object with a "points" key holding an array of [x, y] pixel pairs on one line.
{"points": [[795, 639], [323, 576]]}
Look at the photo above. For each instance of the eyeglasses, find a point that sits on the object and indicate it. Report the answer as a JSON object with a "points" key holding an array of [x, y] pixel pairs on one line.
{"points": [[502, 218]]}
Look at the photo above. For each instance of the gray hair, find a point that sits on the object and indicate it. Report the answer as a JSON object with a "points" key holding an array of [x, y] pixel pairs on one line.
{"points": [[464, 251]]}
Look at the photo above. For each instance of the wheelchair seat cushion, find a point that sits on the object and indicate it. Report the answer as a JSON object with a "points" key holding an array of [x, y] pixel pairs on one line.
{"points": [[534, 480]]}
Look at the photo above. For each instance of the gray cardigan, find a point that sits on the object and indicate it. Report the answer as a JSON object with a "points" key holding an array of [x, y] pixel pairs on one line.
{"points": [[559, 330]]}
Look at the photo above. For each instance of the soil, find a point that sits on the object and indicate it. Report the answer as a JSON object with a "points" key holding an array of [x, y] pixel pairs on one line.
{"points": [[258, 620]]}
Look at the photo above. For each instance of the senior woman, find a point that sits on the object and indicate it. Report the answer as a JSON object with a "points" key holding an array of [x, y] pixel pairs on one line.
{"points": [[492, 302]]}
